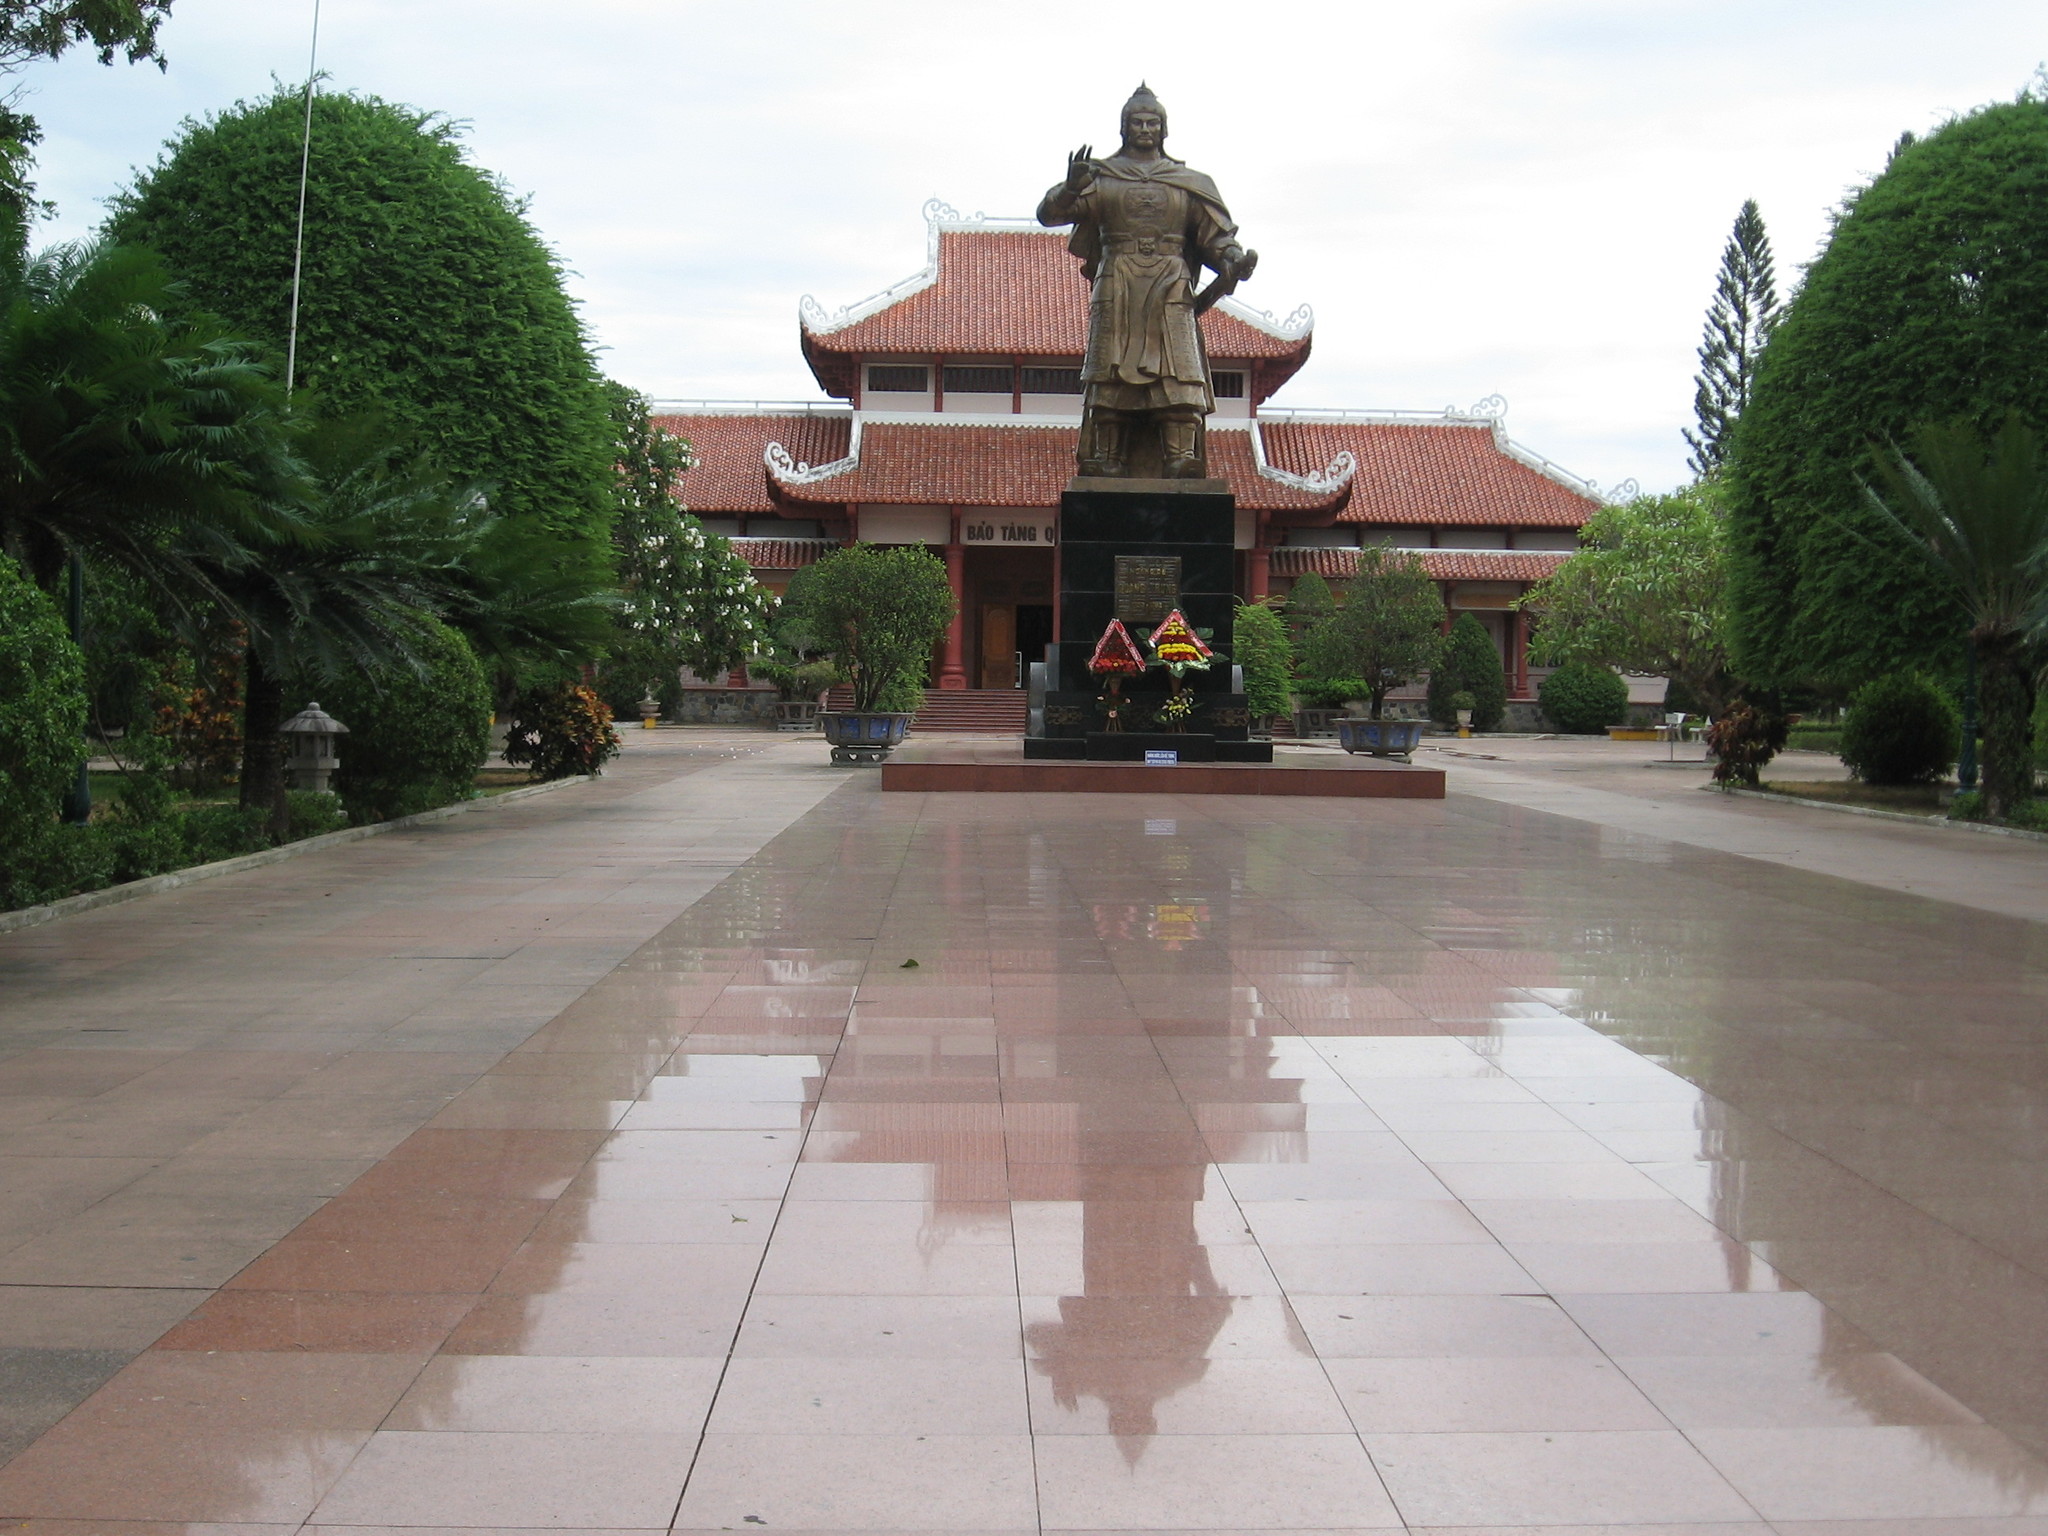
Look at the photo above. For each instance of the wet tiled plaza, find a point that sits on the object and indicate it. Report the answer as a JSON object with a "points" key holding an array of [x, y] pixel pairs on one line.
{"points": [[1028, 1162]]}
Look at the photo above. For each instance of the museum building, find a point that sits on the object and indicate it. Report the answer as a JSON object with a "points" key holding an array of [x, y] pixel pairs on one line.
{"points": [[954, 410]]}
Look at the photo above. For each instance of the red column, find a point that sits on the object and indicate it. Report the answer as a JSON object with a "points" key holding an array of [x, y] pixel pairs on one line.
{"points": [[1259, 578], [954, 673], [1518, 645]]}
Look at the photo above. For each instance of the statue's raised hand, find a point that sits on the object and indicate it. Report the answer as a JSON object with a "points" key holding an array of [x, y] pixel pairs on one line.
{"points": [[1081, 169]]}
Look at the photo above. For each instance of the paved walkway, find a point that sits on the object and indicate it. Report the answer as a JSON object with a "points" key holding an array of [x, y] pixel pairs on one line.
{"points": [[709, 1149]]}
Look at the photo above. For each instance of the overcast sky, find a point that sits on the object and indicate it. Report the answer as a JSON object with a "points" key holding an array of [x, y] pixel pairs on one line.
{"points": [[1522, 197]]}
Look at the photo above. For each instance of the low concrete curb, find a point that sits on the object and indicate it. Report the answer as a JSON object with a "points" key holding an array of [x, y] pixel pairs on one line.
{"points": [[177, 879], [1864, 810]]}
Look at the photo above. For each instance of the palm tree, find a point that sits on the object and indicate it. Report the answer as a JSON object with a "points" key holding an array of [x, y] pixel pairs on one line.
{"points": [[390, 544], [1977, 508], [351, 586], [132, 431]]}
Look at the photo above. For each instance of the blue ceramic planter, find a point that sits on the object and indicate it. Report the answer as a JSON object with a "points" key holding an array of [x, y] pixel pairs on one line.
{"points": [[1379, 738], [862, 736]]}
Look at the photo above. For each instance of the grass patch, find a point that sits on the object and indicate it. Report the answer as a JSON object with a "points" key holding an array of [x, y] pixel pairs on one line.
{"points": [[496, 780], [1913, 799]]}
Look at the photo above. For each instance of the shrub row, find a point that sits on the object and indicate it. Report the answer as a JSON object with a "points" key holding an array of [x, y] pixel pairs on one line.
{"points": [[145, 836]]}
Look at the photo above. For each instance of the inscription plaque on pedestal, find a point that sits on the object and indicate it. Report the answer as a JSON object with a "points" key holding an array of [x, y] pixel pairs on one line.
{"points": [[1147, 587]]}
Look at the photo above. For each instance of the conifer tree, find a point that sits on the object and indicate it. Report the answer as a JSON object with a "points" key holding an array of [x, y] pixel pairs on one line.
{"points": [[1738, 323]]}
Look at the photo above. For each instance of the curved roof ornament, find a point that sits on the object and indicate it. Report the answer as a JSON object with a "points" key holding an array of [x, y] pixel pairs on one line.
{"points": [[786, 469], [1297, 325], [939, 215], [1493, 408], [1326, 481], [1614, 495]]}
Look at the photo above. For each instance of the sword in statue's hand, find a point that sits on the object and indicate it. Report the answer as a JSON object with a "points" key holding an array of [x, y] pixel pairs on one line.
{"points": [[1225, 283]]}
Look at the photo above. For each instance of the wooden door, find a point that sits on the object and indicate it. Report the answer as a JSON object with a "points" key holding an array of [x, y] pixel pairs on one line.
{"points": [[998, 645]]}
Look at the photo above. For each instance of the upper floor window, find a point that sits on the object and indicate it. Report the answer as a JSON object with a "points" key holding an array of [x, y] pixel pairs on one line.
{"points": [[977, 379], [1052, 381], [899, 378], [1229, 383]]}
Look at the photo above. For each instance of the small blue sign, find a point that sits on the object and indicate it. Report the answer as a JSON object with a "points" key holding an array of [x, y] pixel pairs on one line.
{"points": [[1157, 759]]}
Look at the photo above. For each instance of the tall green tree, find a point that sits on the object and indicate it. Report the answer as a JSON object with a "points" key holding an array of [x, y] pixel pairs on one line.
{"points": [[1259, 644], [1388, 631], [877, 611], [1470, 664], [427, 294], [688, 599], [1929, 302], [1647, 591], [1308, 603], [1739, 321], [1976, 507]]}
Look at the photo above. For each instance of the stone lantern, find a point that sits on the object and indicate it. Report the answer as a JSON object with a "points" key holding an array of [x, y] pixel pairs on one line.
{"points": [[314, 734]]}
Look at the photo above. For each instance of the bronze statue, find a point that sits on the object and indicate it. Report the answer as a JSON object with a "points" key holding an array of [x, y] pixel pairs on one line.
{"points": [[1144, 227]]}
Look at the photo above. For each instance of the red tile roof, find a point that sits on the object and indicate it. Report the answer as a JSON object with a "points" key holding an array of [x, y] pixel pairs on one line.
{"points": [[729, 476], [1423, 474], [960, 465], [1013, 292], [1408, 475], [1442, 564], [782, 554]]}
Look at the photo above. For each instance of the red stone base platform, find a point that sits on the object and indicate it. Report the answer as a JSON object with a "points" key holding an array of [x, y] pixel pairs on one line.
{"points": [[999, 767]]}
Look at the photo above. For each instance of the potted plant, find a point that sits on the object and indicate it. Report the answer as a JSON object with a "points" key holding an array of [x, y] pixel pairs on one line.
{"points": [[799, 688], [1318, 701], [1462, 705], [876, 612], [1387, 631]]}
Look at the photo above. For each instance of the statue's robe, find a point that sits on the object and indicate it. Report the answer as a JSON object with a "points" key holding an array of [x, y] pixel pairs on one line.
{"points": [[1144, 231]]}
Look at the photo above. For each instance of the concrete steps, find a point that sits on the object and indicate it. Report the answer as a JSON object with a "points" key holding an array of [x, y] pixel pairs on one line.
{"points": [[980, 711]]}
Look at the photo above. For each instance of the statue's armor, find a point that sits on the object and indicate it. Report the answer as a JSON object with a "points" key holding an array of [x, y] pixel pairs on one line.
{"points": [[1144, 348], [1144, 230]]}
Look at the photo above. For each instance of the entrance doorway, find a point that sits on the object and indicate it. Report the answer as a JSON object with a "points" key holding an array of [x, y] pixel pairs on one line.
{"points": [[1013, 635]]}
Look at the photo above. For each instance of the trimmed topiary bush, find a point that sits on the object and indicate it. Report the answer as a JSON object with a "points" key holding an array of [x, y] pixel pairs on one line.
{"points": [[1581, 699], [413, 742], [42, 720], [1900, 729], [1927, 304], [1470, 664]]}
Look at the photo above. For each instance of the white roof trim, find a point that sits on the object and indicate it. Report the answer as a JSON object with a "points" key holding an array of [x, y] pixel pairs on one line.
{"points": [[785, 469], [939, 218], [1293, 328], [1490, 413], [748, 408], [1334, 477]]}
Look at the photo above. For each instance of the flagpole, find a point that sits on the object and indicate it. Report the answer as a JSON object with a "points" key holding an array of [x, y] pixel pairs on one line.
{"points": [[291, 351]]}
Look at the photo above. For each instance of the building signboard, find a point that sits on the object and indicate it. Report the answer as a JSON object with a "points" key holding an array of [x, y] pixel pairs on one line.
{"points": [[1016, 530], [1147, 587]]}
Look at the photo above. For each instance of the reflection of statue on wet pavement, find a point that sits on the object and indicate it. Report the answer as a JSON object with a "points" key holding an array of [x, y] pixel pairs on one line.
{"points": [[1151, 1304], [1144, 226], [1149, 1311]]}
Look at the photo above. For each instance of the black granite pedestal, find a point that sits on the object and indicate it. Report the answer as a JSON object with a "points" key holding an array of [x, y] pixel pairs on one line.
{"points": [[1143, 523]]}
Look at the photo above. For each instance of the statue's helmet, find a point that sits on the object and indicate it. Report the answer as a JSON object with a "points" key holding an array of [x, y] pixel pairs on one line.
{"points": [[1142, 100]]}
